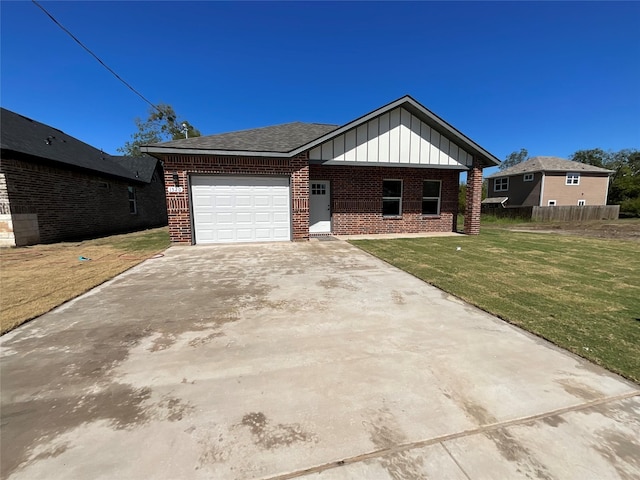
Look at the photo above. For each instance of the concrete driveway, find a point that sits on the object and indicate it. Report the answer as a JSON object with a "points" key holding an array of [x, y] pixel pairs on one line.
{"points": [[300, 360]]}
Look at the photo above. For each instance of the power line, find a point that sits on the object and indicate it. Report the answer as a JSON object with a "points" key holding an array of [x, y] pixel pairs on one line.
{"points": [[94, 55]]}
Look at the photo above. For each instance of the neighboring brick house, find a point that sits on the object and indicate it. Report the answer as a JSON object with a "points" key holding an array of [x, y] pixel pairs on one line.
{"points": [[548, 181], [394, 170], [54, 187]]}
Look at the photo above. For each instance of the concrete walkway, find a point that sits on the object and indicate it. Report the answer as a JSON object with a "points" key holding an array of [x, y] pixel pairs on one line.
{"points": [[299, 360]]}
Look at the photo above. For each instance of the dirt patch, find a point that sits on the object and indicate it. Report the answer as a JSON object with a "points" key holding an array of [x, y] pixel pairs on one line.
{"points": [[273, 436]]}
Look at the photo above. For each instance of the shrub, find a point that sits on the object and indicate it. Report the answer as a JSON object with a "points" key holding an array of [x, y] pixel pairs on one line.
{"points": [[630, 207]]}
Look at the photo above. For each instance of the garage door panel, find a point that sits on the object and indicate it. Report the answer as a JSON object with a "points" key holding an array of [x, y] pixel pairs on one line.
{"points": [[281, 201], [280, 217], [243, 200], [244, 234], [221, 200], [241, 209], [222, 218], [244, 218], [265, 217], [261, 200]]}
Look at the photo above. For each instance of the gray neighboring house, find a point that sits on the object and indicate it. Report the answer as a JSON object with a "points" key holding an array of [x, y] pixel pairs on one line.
{"points": [[54, 187], [547, 182]]}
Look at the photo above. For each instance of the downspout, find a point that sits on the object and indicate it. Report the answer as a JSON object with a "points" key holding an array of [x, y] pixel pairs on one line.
{"points": [[541, 190]]}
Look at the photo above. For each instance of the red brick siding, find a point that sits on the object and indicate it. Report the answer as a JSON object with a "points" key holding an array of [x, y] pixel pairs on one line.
{"points": [[474, 199], [178, 204], [356, 199], [74, 204]]}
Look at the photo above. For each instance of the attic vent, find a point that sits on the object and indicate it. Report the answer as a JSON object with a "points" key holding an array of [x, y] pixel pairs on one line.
{"points": [[49, 139]]}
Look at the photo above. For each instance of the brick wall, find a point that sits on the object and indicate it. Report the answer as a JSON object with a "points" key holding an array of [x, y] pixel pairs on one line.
{"points": [[356, 199], [73, 204], [178, 203]]}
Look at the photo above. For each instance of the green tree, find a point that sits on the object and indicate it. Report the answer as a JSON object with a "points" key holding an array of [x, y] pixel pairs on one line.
{"points": [[596, 157], [514, 158], [624, 186], [161, 125]]}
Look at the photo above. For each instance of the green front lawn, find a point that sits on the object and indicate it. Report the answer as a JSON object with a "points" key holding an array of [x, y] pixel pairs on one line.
{"points": [[582, 294]]}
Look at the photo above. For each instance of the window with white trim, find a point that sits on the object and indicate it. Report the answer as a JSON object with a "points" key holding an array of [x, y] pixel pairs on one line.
{"points": [[501, 184], [133, 203], [582, 203], [551, 203], [391, 198], [528, 177], [573, 179], [431, 197]]}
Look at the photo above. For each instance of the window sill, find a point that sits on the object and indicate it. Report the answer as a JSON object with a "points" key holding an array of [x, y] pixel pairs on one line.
{"points": [[431, 217], [392, 217]]}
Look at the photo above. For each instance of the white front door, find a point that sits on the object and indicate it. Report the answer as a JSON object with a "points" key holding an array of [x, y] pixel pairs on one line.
{"points": [[319, 207]]}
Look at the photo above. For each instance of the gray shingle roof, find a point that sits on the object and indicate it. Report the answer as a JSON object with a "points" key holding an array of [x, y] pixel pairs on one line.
{"points": [[548, 164], [142, 167], [25, 136], [278, 138]]}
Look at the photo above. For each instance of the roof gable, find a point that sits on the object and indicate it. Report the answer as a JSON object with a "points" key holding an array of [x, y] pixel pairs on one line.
{"points": [[25, 136], [549, 164], [393, 137], [435, 123]]}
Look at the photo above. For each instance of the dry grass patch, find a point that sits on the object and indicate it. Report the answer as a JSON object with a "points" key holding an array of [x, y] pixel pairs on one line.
{"points": [[37, 279], [582, 294]]}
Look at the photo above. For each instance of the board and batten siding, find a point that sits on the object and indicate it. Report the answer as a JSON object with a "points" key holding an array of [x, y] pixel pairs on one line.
{"points": [[398, 137]]}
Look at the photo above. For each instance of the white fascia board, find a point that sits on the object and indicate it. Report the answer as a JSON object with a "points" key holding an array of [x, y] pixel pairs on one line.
{"points": [[423, 113], [387, 164], [199, 151]]}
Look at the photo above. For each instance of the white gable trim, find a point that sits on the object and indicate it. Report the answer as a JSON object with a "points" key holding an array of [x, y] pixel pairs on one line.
{"points": [[393, 137], [407, 103]]}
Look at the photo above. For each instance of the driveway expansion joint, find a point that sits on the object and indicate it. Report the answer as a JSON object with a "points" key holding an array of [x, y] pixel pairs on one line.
{"points": [[452, 436]]}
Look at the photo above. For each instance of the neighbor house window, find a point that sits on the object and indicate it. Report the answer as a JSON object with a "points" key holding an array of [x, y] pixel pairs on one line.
{"points": [[392, 198], [582, 203], [551, 203], [431, 197], [573, 179], [528, 177], [133, 204], [501, 184]]}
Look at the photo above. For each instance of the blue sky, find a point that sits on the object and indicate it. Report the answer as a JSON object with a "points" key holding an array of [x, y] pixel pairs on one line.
{"points": [[552, 77]]}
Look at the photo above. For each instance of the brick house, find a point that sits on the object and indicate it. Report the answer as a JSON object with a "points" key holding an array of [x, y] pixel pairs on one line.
{"points": [[548, 181], [393, 170], [54, 187]]}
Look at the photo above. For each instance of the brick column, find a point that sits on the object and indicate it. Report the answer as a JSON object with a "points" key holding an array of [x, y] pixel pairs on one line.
{"points": [[474, 197], [178, 214], [300, 197]]}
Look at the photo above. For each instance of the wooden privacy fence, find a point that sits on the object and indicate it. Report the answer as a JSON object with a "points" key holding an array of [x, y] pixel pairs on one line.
{"points": [[562, 214], [576, 213]]}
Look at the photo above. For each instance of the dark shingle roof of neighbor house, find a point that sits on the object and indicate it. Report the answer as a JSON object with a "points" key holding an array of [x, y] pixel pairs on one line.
{"points": [[548, 164], [141, 167], [278, 138], [26, 136], [290, 139]]}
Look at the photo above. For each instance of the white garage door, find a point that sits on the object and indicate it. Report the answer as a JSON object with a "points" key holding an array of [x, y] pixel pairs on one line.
{"points": [[240, 209]]}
